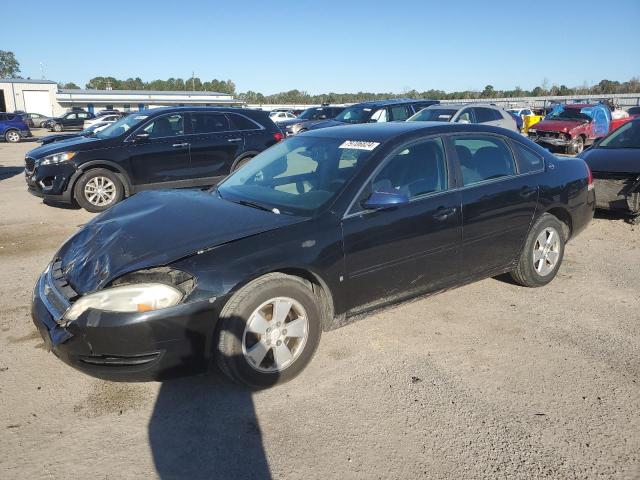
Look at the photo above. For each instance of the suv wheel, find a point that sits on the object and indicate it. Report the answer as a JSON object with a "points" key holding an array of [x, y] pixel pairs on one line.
{"points": [[543, 252], [241, 163], [269, 330], [56, 127], [12, 136], [98, 189]]}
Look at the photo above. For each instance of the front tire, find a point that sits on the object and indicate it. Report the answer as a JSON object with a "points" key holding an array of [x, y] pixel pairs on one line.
{"points": [[98, 189], [56, 127], [12, 136], [268, 331], [578, 145], [543, 253]]}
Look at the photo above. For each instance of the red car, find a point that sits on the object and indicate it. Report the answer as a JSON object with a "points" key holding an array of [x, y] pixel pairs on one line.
{"points": [[571, 127]]}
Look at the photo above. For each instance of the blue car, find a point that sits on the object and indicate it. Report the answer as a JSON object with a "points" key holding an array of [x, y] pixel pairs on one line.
{"points": [[12, 128]]}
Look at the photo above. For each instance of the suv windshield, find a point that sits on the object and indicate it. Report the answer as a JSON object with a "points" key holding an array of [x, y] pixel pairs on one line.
{"points": [[121, 126], [355, 114], [433, 115], [313, 113], [568, 114], [627, 136], [298, 176]]}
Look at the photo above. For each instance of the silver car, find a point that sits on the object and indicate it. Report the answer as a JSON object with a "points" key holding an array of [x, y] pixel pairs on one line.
{"points": [[466, 113]]}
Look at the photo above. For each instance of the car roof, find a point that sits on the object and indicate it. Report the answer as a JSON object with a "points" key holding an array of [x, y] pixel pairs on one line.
{"points": [[391, 101], [381, 132], [153, 111], [458, 106]]}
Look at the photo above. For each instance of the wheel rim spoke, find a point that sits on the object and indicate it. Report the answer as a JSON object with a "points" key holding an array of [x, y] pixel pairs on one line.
{"points": [[258, 352], [282, 355], [281, 309], [258, 324], [296, 328]]}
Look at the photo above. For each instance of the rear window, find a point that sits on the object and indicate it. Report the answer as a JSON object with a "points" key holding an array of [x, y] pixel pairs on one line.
{"points": [[240, 122], [209, 122]]}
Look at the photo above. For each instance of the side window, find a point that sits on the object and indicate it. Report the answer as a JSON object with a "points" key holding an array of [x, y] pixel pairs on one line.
{"points": [[465, 116], [483, 158], [165, 126], [202, 122], [82, 115], [528, 160], [484, 115], [379, 116], [399, 113], [416, 170], [71, 116], [240, 122]]}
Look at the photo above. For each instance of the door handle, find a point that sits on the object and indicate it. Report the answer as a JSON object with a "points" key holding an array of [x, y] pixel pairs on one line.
{"points": [[180, 145], [443, 213], [527, 192], [234, 140]]}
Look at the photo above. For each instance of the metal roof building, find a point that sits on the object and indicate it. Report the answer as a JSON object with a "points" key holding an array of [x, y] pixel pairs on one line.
{"points": [[44, 97]]}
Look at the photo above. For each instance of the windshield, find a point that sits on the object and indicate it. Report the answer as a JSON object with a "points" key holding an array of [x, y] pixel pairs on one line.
{"points": [[298, 176], [627, 136], [121, 126], [433, 115], [312, 113], [355, 114], [568, 114]]}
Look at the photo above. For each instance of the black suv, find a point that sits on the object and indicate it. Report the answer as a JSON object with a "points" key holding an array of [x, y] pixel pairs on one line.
{"points": [[392, 110], [308, 118], [69, 121], [159, 148]]}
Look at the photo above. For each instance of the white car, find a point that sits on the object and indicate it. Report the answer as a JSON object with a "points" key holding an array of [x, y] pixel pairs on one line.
{"points": [[107, 119], [520, 111], [281, 116]]}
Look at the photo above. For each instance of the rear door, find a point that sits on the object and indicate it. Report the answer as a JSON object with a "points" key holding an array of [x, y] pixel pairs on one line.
{"points": [[214, 145], [415, 247], [164, 155], [498, 202]]}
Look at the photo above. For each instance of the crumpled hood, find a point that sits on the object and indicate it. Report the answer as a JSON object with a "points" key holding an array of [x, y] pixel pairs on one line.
{"points": [[613, 160], [556, 125], [156, 228]]}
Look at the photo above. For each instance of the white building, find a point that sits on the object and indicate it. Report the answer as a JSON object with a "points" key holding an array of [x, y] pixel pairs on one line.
{"points": [[44, 97]]}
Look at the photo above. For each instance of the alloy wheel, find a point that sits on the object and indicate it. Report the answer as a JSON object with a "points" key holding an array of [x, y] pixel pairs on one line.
{"points": [[275, 335], [13, 137], [100, 191], [546, 251]]}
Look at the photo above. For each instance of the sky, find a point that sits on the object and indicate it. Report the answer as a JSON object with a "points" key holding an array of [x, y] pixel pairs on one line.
{"points": [[331, 46]]}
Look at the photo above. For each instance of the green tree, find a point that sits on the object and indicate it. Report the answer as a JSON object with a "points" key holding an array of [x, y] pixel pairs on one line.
{"points": [[488, 92], [68, 85], [9, 66]]}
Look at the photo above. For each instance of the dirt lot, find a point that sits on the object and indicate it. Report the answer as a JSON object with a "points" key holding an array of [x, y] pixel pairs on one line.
{"points": [[486, 381]]}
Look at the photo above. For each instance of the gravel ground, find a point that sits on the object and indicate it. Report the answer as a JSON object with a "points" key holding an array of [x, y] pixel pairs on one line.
{"points": [[487, 381]]}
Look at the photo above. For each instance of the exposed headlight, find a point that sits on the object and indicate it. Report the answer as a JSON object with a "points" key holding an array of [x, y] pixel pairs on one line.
{"points": [[531, 130], [139, 297], [57, 158]]}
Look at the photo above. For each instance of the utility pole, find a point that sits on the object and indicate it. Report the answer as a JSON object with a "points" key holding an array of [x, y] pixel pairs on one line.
{"points": [[193, 81]]}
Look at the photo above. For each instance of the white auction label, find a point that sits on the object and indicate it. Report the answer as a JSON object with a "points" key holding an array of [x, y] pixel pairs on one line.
{"points": [[359, 145]]}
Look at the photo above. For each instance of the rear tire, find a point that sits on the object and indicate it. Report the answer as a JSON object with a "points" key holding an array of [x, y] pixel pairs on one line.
{"points": [[12, 136], [98, 189], [241, 163], [254, 347], [543, 253]]}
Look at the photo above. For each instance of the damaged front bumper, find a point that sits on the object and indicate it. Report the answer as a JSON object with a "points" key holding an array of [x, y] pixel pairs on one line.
{"points": [[122, 346], [617, 192]]}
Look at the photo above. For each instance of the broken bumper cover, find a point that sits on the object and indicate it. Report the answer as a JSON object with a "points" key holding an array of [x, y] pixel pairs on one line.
{"points": [[556, 142], [121, 346], [50, 182]]}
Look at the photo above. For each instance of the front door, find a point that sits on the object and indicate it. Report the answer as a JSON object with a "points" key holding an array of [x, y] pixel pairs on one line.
{"points": [[397, 252], [164, 155], [214, 146], [498, 204]]}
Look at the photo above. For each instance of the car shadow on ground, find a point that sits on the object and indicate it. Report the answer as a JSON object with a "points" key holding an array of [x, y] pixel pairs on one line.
{"points": [[8, 172], [205, 427]]}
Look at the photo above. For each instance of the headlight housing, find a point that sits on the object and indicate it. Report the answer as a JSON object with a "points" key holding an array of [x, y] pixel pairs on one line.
{"points": [[138, 297], [57, 158]]}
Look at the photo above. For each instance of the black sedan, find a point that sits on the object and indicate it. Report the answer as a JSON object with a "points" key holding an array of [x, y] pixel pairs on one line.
{"points": [[315, 230], [615, 163]]}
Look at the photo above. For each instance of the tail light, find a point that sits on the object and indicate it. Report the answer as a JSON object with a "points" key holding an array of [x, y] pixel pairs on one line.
{"points": [[278, 136], [589, 179]]}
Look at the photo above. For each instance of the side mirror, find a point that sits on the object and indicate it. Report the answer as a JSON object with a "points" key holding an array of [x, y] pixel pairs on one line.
{"points": [[382, 200], [140, 137]]}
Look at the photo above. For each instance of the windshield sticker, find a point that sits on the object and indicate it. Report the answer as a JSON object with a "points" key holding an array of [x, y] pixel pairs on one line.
{"points": [[140, 117], [358, 145]]}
